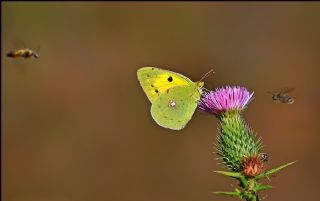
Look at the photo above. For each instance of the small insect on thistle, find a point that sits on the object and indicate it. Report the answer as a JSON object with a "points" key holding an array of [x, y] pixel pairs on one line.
{"points": [[264, 157], [282, 95], [23, 53]]}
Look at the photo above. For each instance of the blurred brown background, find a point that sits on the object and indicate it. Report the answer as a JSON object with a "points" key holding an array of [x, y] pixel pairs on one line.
{"points": [[76, 124]]}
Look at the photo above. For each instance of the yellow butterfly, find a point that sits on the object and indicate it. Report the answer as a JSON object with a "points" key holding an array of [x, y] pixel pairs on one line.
{"points": [[174, 97]]}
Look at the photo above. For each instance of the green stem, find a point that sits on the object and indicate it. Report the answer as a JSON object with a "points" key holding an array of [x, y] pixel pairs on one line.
{"points": [[253, 198], [250, 193]]}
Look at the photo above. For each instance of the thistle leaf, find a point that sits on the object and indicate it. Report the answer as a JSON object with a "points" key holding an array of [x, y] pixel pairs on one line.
{"points": [[274, 170], [262, 187], [230, 174], [235, 194], [242, 179]]}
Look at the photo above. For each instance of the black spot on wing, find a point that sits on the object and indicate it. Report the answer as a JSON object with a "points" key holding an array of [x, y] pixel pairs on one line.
{"points": [[156, 90], [170, 79], [152, 85]]}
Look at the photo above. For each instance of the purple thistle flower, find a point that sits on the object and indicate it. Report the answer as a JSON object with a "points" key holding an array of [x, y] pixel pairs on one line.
{"points": [[225, 99]]}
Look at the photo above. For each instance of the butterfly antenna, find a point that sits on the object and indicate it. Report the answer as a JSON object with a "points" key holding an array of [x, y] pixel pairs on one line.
{"points": [[207, 74]]}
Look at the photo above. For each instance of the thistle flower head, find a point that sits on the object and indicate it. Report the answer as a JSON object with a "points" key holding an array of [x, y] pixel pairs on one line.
{"points": [[225, 99]]}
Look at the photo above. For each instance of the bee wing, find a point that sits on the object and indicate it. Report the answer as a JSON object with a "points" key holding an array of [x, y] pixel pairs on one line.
{"points": [[287, 90], [270, 92], [38, 48]]}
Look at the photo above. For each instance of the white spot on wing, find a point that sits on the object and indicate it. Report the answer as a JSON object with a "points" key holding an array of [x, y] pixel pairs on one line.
{"points": [[172, 103]]}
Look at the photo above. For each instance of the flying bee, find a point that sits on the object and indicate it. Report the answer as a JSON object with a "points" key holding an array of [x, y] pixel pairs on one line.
{"points": [[23, 53], [282, 95]]}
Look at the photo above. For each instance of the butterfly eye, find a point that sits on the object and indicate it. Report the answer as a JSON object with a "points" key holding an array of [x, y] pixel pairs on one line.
{"points": [[170, 79]]}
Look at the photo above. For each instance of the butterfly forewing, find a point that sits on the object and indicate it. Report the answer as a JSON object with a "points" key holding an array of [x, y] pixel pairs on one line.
{"points": [[174, 108], [155, 81]]}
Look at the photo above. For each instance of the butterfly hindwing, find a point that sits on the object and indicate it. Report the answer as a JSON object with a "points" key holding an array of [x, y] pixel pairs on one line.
{"points": [[174, 108], [155, 81]]}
